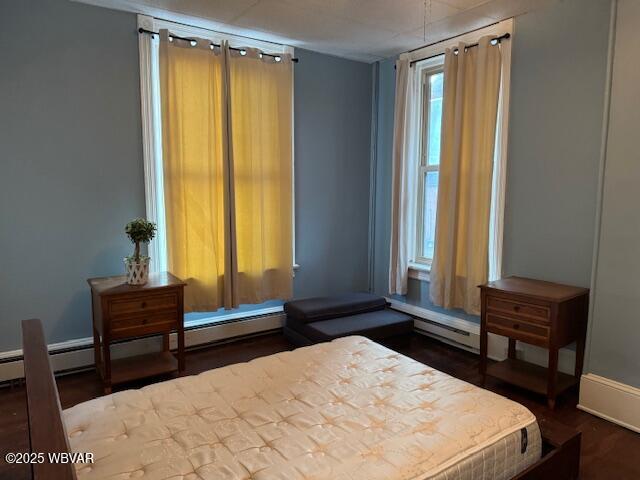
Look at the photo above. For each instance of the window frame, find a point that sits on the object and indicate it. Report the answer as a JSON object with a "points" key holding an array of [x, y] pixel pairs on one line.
{"points": [[426, 71]]}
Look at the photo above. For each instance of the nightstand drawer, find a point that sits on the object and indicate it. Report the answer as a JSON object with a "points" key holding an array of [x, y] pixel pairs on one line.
{"points": [[146, 324], [518, 329], [136, 305], [536, 312]]}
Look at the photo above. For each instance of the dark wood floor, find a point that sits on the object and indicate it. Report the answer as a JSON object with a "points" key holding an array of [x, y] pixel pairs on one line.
{"points": [[608, 451]]}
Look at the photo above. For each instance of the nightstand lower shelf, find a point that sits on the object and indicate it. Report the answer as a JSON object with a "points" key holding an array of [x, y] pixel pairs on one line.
{"points": [[128, 369], [529, 376]]}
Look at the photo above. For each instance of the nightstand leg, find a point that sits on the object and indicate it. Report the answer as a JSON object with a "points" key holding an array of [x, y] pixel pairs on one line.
{"points": [[579, 357], [553, 377], [483, 355], [96, 350], [181, 349], [106, 356], [582, 337], [512, 349]]}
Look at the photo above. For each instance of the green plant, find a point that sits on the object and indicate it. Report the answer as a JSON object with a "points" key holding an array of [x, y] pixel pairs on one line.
{"points": [[140, 231]]}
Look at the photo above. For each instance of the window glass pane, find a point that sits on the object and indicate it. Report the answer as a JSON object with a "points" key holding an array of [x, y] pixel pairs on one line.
{"points": [[429, 213], [435, 118]]}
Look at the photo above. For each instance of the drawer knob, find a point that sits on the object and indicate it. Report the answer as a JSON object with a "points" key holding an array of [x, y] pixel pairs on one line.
{"points": [[516, 326], [516, 308], [144, 304]]}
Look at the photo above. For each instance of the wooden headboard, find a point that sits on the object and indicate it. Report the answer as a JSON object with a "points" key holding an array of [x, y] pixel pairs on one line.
{"points": [[46, 428]]}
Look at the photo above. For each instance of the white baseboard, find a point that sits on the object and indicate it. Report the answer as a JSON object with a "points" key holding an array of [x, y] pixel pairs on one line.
{"points": [[78, 353], [444, 319], [611, 400]]}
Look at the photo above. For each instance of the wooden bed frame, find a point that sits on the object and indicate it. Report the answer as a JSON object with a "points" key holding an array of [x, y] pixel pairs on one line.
{"points": [[560, 444]]}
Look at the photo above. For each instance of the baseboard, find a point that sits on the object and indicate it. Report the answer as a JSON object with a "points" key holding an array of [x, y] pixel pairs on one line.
{"points": [[77, 354], [447, 320], [611, 400], [431, 331]]}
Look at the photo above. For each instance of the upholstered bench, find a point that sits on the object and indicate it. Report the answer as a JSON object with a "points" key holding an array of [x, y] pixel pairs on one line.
{"points": [[322, 319]]}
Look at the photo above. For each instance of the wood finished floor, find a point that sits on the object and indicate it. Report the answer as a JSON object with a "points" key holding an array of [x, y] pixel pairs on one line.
{"points": [[608, 451]]}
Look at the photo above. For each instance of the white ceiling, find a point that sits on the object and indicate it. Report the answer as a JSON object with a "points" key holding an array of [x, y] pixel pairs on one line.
{"points": [[366, 30]]}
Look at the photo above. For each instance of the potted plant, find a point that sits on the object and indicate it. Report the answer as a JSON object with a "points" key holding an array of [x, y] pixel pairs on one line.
{"points": [[139, 231]]}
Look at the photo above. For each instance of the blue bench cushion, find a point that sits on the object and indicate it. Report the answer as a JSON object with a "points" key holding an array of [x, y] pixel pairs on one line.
{"points": [[325, 308], [374, 325]]}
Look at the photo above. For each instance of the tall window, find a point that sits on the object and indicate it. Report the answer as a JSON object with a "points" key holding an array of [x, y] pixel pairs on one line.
{"points": [[432, 79], [214, 236], [151, 117], [418, 128]]}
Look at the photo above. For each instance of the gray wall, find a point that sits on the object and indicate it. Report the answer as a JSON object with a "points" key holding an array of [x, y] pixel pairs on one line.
{"points": [[70, 149], [615, 328], [557, 90], [72, 171], [557, 84], [332, 148]]}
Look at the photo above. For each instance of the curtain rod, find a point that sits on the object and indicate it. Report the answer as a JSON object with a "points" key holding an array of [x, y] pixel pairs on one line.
{"points": [[272, 55], [497, 40], [453, 37]]}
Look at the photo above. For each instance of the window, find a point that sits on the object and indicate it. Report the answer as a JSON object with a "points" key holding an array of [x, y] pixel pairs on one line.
{"points": [[432, 80], [426, 124], [152, 149], [151, 120]]}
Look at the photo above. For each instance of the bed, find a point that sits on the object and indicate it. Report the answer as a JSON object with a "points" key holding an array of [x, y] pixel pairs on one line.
{"points": [[346, 410]]}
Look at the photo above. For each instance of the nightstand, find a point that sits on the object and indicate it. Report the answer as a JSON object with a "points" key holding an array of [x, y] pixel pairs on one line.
{"points": [[549, 315], [126, 312]]}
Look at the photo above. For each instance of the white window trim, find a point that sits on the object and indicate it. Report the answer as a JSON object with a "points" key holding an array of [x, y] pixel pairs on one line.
{"points": [[151, 147], [496, 228], [423, 69]]}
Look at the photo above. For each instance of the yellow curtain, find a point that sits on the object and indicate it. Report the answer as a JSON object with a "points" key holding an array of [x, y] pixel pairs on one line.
{"points": [[471, 89], [260, 112], [194, 133], [227, 161]]}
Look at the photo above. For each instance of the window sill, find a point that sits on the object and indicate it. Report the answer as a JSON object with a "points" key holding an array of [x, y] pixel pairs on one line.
{"points": [[419, 271], [231, 316]]}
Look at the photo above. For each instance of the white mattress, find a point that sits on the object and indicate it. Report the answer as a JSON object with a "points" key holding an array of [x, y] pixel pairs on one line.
{"points": [[349, 409]]}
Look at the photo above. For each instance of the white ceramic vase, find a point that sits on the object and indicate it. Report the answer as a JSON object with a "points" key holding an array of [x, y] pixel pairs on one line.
{"points": [[137, 272]]}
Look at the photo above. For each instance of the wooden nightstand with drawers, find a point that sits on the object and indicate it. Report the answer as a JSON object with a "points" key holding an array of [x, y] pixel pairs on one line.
{"points": [[125, 312], [545, 314]]}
